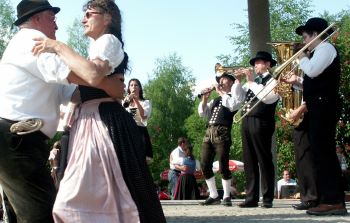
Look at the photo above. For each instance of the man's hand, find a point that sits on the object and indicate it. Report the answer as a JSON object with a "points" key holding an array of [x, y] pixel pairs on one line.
{"points": [[296, 114], [292, 79], [249, 75]]}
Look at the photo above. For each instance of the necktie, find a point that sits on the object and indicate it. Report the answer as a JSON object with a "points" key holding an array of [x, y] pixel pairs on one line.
{"points": [[258, 79]]}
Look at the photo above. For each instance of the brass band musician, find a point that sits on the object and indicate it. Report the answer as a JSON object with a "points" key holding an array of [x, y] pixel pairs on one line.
{"points": [[258, 127], [217, 139], [320, 93], [304, 155]]}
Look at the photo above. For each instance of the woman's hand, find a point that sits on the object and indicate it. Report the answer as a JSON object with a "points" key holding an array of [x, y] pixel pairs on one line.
{"points": [[42, 45], [134, 97]]}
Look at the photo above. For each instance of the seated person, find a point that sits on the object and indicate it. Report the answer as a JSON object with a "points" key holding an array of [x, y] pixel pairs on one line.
{"points": [[163, 194], [285, 181]]}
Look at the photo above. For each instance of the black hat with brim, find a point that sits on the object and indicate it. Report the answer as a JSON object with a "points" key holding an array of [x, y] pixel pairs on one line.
{"points": [[262, 55], [314, 24], [27, 8], [225, 74]]}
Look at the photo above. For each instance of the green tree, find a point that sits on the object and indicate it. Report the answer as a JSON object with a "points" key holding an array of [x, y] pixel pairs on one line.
{"points": [[170, 91], [285, 16], [195, 128], [77, 40], [342, 42], [7, 18]]}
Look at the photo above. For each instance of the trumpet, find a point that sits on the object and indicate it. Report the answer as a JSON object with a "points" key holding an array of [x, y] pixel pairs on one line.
{"points": [[277, 75], [237, 71]]}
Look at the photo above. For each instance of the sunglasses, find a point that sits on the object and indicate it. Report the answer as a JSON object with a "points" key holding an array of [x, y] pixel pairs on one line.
{"points": [[89, 14]]}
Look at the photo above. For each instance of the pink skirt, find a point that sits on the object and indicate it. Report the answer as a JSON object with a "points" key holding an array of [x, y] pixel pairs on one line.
{"points": [[93, 188]]}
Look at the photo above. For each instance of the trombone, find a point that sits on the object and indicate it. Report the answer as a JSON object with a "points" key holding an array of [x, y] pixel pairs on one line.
{"points": [[277, 74]]}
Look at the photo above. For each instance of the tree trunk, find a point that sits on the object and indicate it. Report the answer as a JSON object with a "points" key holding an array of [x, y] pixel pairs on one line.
{"points": [[259, 26], [259, 35]]}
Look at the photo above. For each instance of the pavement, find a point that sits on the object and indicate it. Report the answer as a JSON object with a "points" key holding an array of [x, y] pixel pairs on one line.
{"points": [[282, 211]]}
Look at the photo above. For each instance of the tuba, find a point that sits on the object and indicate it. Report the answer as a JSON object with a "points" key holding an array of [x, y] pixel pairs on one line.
{"points": [[291, 98]]}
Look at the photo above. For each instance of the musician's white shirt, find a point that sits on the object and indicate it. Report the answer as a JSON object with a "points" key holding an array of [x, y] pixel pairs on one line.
{"points": [[32, 87], [324, 55], [231, 101], [261, 90]]}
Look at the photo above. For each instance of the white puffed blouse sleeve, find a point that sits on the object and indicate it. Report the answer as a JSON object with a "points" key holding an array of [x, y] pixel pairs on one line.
{"points": [[107, 47]]}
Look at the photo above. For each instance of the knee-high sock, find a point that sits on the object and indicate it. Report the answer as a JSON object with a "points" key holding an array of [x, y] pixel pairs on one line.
{"points": [[226, 184], [213, 193]]}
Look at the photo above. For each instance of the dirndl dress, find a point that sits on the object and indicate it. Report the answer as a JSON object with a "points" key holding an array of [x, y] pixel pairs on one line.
{"points": [[186, 186], [106, 179]]}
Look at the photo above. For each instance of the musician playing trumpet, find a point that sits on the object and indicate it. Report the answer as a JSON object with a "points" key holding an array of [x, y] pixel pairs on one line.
{"points": [[258, 126], [217, 139]]}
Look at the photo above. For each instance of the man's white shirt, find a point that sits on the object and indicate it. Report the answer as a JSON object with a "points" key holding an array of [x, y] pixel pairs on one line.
{"points": [[32, 87]]}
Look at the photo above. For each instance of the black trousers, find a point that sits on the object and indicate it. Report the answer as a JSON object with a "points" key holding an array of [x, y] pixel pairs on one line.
{"points": [[257, 139], [305, 167], [323, 117], [217, 141], [24, 175]]}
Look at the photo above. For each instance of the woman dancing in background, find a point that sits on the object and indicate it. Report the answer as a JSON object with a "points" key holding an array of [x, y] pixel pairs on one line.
{"points": [[186, 186]]}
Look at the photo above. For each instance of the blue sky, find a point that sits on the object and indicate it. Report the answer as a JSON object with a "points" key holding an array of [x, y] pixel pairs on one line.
{"points": [[197, 30]]}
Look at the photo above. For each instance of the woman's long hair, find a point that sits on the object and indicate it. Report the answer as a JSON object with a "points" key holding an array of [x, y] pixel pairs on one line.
{"points": [[140, 86], [115, 27]]}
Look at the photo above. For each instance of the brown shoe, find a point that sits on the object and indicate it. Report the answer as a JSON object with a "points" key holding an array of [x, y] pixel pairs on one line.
{"points": [[328, 209]]}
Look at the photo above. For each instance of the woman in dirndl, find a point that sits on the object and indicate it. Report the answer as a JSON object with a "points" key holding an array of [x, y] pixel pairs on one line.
{"points": [[106, 178], [140, 109], [186, 186]]}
